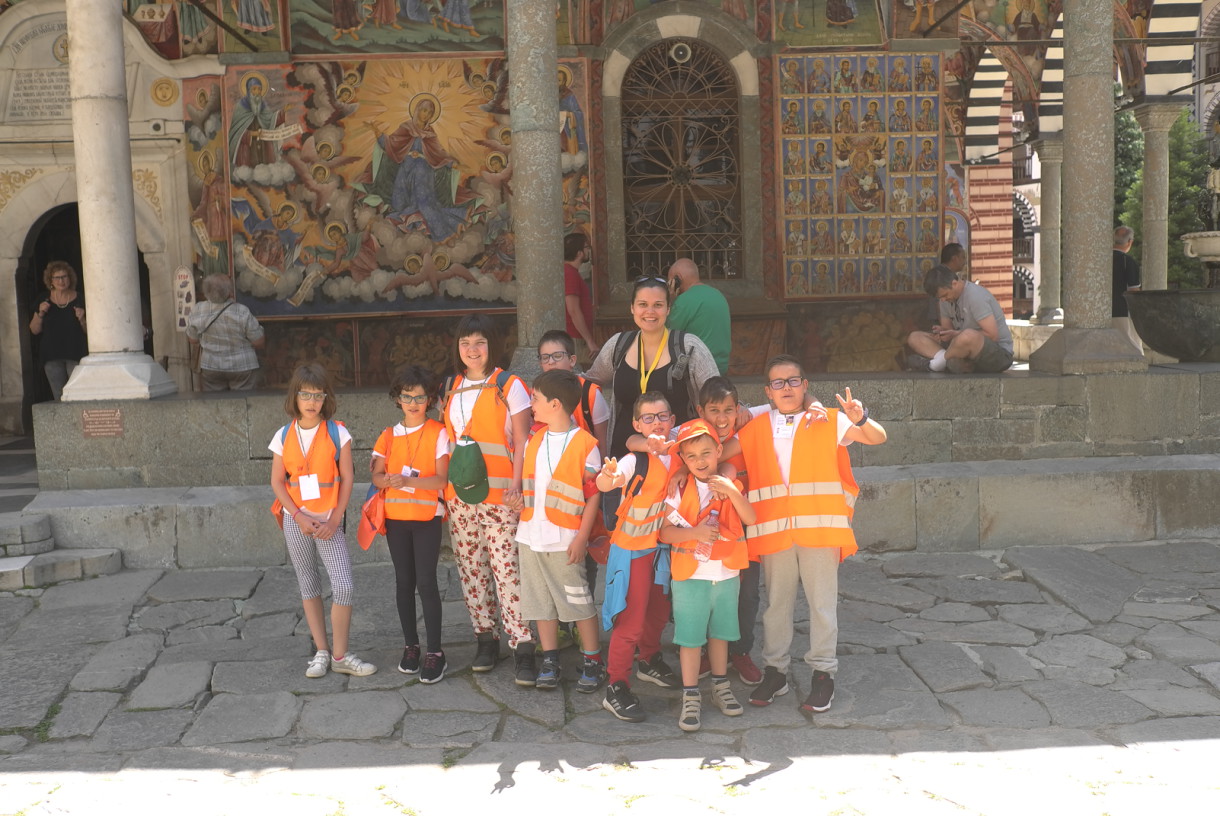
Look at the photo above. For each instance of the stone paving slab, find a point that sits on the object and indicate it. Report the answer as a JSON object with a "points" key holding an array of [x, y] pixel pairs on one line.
{"points": [[230, 650], [1004, 663], [448, 729], [82, 712], [166, 616], [938, 565], [278, 591], [1171, 643], [1049, 618], [1178, 702], [276, 625], [1088, 582], [240, 718], [989, 632], [955, 612], [125, 588], [203, 585], [247, 761], [359, 715], [1078, 705], [943, 667], [1009, 708], [177, 685], [1174, 556], [118, 664], [979, 590], [95, 624], [452, 694], [137, 730], [265, 676], [33, 679], [201, 634]]}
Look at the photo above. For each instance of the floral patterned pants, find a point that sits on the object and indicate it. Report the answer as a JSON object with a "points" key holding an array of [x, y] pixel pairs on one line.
{"points": [[484, 543]]}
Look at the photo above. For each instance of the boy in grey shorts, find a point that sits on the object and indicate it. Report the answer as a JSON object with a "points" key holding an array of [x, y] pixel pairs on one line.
{"points": [[972, 334], [556, 518]]}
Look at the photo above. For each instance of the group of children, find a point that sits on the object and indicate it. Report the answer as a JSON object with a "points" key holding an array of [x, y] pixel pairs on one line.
{"points": [[704, 506]]}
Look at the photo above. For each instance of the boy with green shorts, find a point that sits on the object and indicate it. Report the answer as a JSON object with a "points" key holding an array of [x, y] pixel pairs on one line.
{"points": [[704, 528]]}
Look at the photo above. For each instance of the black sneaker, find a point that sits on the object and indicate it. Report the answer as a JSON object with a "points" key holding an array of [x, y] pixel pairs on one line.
{"points": [[821, 693], [487, 653], [592, 673], [917, 362], [434, 668], [655, 671], [527, 669], [548, 675], [774, 684], [622, 703], [410, 660]]}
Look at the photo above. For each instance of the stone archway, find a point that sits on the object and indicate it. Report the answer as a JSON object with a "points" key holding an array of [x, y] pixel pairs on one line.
{"points": [[710, 28]]}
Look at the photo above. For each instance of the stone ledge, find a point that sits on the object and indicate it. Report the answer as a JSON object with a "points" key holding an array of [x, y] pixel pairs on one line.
{"points": [[938, 507]]}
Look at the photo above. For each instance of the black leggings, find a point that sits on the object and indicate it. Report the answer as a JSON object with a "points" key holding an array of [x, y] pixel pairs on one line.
{"points": [[415, 548]]}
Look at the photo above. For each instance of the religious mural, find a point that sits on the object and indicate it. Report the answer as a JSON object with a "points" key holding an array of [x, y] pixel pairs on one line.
{"points": [[357, 188], [176, 28], [396, 26], [860, 170], [828, 23], [1014, 21], [913, 19], [256, 21], [619, 10]]}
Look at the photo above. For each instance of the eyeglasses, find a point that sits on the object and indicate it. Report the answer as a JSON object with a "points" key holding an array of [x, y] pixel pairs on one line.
{"points": [[794, 382], [412, 399], [311, 396], [553, 357], [661, 416], [60, 277]]}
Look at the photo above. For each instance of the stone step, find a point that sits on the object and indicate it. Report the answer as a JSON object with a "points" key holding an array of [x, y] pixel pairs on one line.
{"points": [[25, 534], [44, 569]]}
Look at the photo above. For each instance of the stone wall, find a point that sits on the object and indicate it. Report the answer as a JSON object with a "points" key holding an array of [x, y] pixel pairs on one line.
{"points": [[196, 441]]}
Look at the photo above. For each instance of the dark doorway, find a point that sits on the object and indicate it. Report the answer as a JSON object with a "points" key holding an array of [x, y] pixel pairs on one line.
{"points": [[54, 237]]}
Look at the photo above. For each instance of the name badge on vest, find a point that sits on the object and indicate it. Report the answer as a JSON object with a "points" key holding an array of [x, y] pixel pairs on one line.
{"points": [[308, 485], [411, 473], [785, 425]]}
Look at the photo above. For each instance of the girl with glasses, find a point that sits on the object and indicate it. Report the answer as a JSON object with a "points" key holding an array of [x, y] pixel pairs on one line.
{"points": [[311, 476], [411, 463]]}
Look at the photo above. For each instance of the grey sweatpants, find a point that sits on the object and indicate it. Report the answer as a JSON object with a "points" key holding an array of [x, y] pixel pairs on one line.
{"points": [[817, 570]]}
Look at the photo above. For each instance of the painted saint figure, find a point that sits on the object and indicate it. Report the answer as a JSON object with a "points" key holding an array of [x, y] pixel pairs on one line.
{"points": [[841, 12], [417, 172], [251, 117], [253, 15]]}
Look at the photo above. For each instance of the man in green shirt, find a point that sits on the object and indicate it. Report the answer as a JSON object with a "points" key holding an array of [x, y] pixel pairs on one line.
{"points": [[701, 310]]}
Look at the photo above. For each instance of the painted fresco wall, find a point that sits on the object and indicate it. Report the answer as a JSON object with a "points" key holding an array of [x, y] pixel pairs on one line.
{"points": [[860, 173], [174, 27]]}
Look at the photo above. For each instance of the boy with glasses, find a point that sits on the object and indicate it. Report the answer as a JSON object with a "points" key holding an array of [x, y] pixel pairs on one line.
{"points": [[803, 493]]}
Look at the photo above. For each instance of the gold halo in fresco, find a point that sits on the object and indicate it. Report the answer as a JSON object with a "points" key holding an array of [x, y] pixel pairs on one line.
{"points": [[441, 261], [419, 99], [205, 164], [164, 92], [565, 76], [333, 225], [496, 154], [319, 169], [250, 77], [291, 210], [506, 135], [413, 263]]}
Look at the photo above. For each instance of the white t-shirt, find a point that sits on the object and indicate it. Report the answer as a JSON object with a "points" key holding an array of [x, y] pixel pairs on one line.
{"points": [[626, 466], [541, 534], [305, 439], [599, 409], [783, 429], [462, 404], [710, 570], [442, 449]]}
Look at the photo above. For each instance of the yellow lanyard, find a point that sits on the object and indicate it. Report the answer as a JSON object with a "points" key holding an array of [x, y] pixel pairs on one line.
{"points": [[646, 373]]}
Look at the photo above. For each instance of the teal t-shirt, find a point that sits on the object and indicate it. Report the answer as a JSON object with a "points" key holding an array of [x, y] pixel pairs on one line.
{"points": [[703, 311]]}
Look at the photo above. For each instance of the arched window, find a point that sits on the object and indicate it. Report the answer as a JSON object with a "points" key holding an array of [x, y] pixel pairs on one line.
{"points": [[681, 166]]}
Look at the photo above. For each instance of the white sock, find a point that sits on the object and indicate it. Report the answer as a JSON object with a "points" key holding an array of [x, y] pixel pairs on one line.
{"points": [[938, 363]]}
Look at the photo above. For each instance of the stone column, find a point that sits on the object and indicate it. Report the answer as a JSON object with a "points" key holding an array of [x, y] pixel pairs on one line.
{"points": [[1086, 344], [1050, 265], [116, 366], [533, 101], [1155, 119]]}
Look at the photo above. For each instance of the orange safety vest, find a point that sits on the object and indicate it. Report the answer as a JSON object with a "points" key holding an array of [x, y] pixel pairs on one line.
{"points": [[815, 508], [565, 494], [399, 504], [486, 426], [643, 506], [320, 460], [730, 548]]}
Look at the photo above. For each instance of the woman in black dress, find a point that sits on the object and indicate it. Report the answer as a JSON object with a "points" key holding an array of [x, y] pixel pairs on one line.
{"points": [[60, 323]]}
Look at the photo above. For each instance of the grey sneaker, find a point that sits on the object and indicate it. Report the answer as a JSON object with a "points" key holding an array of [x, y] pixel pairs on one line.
{"points": [[917, 362], [722, 696], [548, 675], [658, 672], [692, 705], [319, 665], [350, 664]]}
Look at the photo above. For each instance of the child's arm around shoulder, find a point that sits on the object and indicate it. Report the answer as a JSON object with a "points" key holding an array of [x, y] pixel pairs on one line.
{"points": [[731, 490]]}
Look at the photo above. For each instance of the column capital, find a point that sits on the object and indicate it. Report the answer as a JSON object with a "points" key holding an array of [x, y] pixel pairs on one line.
{"points": [[1049, 147], [1157, 116]]}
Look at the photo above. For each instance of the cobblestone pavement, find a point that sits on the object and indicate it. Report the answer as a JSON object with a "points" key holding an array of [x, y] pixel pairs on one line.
{"points": [[1083, 682]]}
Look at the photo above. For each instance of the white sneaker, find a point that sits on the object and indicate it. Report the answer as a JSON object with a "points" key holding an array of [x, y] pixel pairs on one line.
{"points": [[350, 664], [319, 664]]}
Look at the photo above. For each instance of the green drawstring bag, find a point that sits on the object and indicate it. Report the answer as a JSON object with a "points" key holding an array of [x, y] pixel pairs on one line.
{"points": [[468, 471]]}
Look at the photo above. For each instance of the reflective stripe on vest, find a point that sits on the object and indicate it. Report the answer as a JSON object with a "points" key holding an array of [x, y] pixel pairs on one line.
{"points": [[564, 499], [422, 503], [640, 516], [815, 509]]}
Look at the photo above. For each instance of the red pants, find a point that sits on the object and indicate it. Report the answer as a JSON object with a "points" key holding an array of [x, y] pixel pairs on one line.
{"points": [[639, 625]]}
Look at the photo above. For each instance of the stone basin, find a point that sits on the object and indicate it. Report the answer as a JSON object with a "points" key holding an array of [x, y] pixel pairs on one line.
{"points": [[1182, 323]]}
